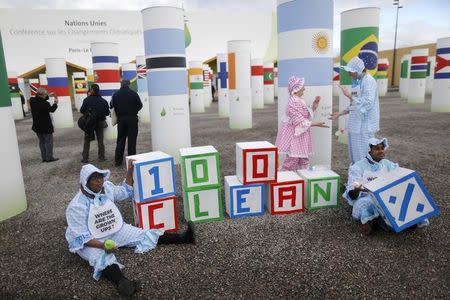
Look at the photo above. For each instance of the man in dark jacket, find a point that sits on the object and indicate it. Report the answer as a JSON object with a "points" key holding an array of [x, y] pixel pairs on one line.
{"points": [[99, 106], [42, 123], [126, 104]]}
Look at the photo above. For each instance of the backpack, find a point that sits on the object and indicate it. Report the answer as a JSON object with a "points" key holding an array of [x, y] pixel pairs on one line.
{"points": [[88, 121]]}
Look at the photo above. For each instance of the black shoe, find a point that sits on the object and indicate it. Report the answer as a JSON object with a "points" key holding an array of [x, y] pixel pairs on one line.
{"points": [[189, 234], [52, 159], [127, 287], [85, 160]]}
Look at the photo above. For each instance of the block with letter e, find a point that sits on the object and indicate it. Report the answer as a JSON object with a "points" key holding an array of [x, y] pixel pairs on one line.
{"points": [[322, 188], [200, 172], [256, 162], [154, 185], [286, 196], [243, 200], [402, 198]]}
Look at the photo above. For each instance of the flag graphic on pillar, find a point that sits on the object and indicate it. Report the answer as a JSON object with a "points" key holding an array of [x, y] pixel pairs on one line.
{"points": [[129, 72], [222, 75], [336, 71], [361, 42], [13, 87], [80, 85], [404, 69], [442, 68], [142, 71], [34, 85], [418, 67], [232, 71], [268, 75], [382, 70]]}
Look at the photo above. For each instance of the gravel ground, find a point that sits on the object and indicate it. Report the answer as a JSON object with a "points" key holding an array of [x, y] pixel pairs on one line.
{"points": [[319, 254]]}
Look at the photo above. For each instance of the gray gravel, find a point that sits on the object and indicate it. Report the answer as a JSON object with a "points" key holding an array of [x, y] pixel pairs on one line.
{"points": [[317, 254]]}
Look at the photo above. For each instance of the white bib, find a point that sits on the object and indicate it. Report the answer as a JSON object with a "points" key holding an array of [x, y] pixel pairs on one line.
{"points": [[368, 175], [104, 220]]}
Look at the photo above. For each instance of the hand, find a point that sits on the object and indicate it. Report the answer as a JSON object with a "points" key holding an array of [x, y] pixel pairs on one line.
{"points": [[129, 175], [334, 116], [346, 92], [319, 124], [316, 103], [130, 165]]}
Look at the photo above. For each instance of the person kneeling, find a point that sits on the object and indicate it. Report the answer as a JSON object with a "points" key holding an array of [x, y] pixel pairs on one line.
{"points": [[360, 173], [94, 220]]}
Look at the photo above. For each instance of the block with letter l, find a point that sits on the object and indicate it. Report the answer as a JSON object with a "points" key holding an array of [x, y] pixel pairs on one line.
{"points": [[402, 199], [322, 188]]}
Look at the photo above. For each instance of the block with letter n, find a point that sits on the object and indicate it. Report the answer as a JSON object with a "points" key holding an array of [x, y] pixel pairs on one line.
{"points": [[322, 188], [154, 185], [243, 200], [256, 162], [286, 196], [200, 172], [402, 199]]}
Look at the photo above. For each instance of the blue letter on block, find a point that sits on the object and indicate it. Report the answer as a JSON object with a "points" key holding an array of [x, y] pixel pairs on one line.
{"points": [[240, 200]]}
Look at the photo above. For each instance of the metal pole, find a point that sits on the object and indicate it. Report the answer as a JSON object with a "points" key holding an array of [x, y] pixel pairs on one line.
{"points": [[395, 46]]}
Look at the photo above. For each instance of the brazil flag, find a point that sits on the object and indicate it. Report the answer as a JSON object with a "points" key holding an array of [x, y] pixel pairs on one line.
{"points": [[361, 42], [5, 98]]}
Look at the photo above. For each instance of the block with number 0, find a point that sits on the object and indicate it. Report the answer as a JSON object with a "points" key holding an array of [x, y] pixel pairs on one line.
{"points": [[402, 198], [256, 162], [286, 196], [322, 188]]}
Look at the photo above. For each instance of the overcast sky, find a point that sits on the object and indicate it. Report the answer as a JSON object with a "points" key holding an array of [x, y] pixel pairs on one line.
{"points": [[420, 21]]}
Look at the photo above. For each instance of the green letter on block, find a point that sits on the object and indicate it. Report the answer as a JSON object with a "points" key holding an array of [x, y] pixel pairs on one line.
{"points": [[325, 195]]}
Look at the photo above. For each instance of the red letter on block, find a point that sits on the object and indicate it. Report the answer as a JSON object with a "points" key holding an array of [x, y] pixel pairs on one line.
{"points": [[265, 171], [151, 216], [287, 193]]}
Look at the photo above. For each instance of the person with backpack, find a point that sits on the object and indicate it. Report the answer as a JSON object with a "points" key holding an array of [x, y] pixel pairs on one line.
{"points": [[93, 122]]}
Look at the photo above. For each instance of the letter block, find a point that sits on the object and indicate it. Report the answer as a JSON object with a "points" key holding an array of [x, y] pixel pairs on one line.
{"points": [[157, 214], [287, 195], [200, 172], [322, 188], [402, 199], [154, 176], [256, 162], [243, 200]]}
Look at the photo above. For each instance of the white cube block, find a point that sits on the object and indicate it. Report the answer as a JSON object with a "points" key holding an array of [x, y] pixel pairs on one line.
{"points": [[402, 198], [322, 188], [286, 196], [243, 200], [158, 214], [154, 176], [256, 162], [200, 168], [203, 205]]}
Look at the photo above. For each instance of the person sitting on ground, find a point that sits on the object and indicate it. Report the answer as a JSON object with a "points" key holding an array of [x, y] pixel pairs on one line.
{"points": [[94, 220], [360, 173]]}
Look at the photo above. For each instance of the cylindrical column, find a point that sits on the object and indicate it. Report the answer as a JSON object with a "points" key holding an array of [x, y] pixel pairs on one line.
{"points": [[305, 50], [105, 63], [404, 76], [440, 98], [257, 73], [206, 86], [222, 84], [13, 200], [16, 102], [129, 72], [382, 80], [359, 37], [240, 85], [144, 113], [418, 76], [430, 74], [275, 82], [269, 92], [165, 55], [58, 83], [336, 77], [79, 88], [196, 87]]}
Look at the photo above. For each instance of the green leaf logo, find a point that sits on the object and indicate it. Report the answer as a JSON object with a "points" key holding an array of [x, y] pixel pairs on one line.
{"points": [[163, 112]]}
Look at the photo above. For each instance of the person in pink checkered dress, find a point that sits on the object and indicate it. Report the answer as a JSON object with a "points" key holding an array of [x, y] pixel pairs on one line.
{"points": [[294, 136]]}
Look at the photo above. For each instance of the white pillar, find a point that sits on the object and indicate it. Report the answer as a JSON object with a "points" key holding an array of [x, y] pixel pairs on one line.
{"points": [[142, 89], [418, 75], [440, 98], [13, 200], [312, 60], [382, 80], [430, 74], [58, 83], [79, 88], [196, 87], [16, 102], [165, 55], [222, 84], [105, 62], [240, 84], [269, 92], [257, 81]]}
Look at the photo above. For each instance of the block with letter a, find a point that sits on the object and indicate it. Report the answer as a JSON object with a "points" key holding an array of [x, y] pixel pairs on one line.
{"points": [[286, 196], [256, 162], [322, 188], [243, 200], [402, 198], [157, 214]]}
